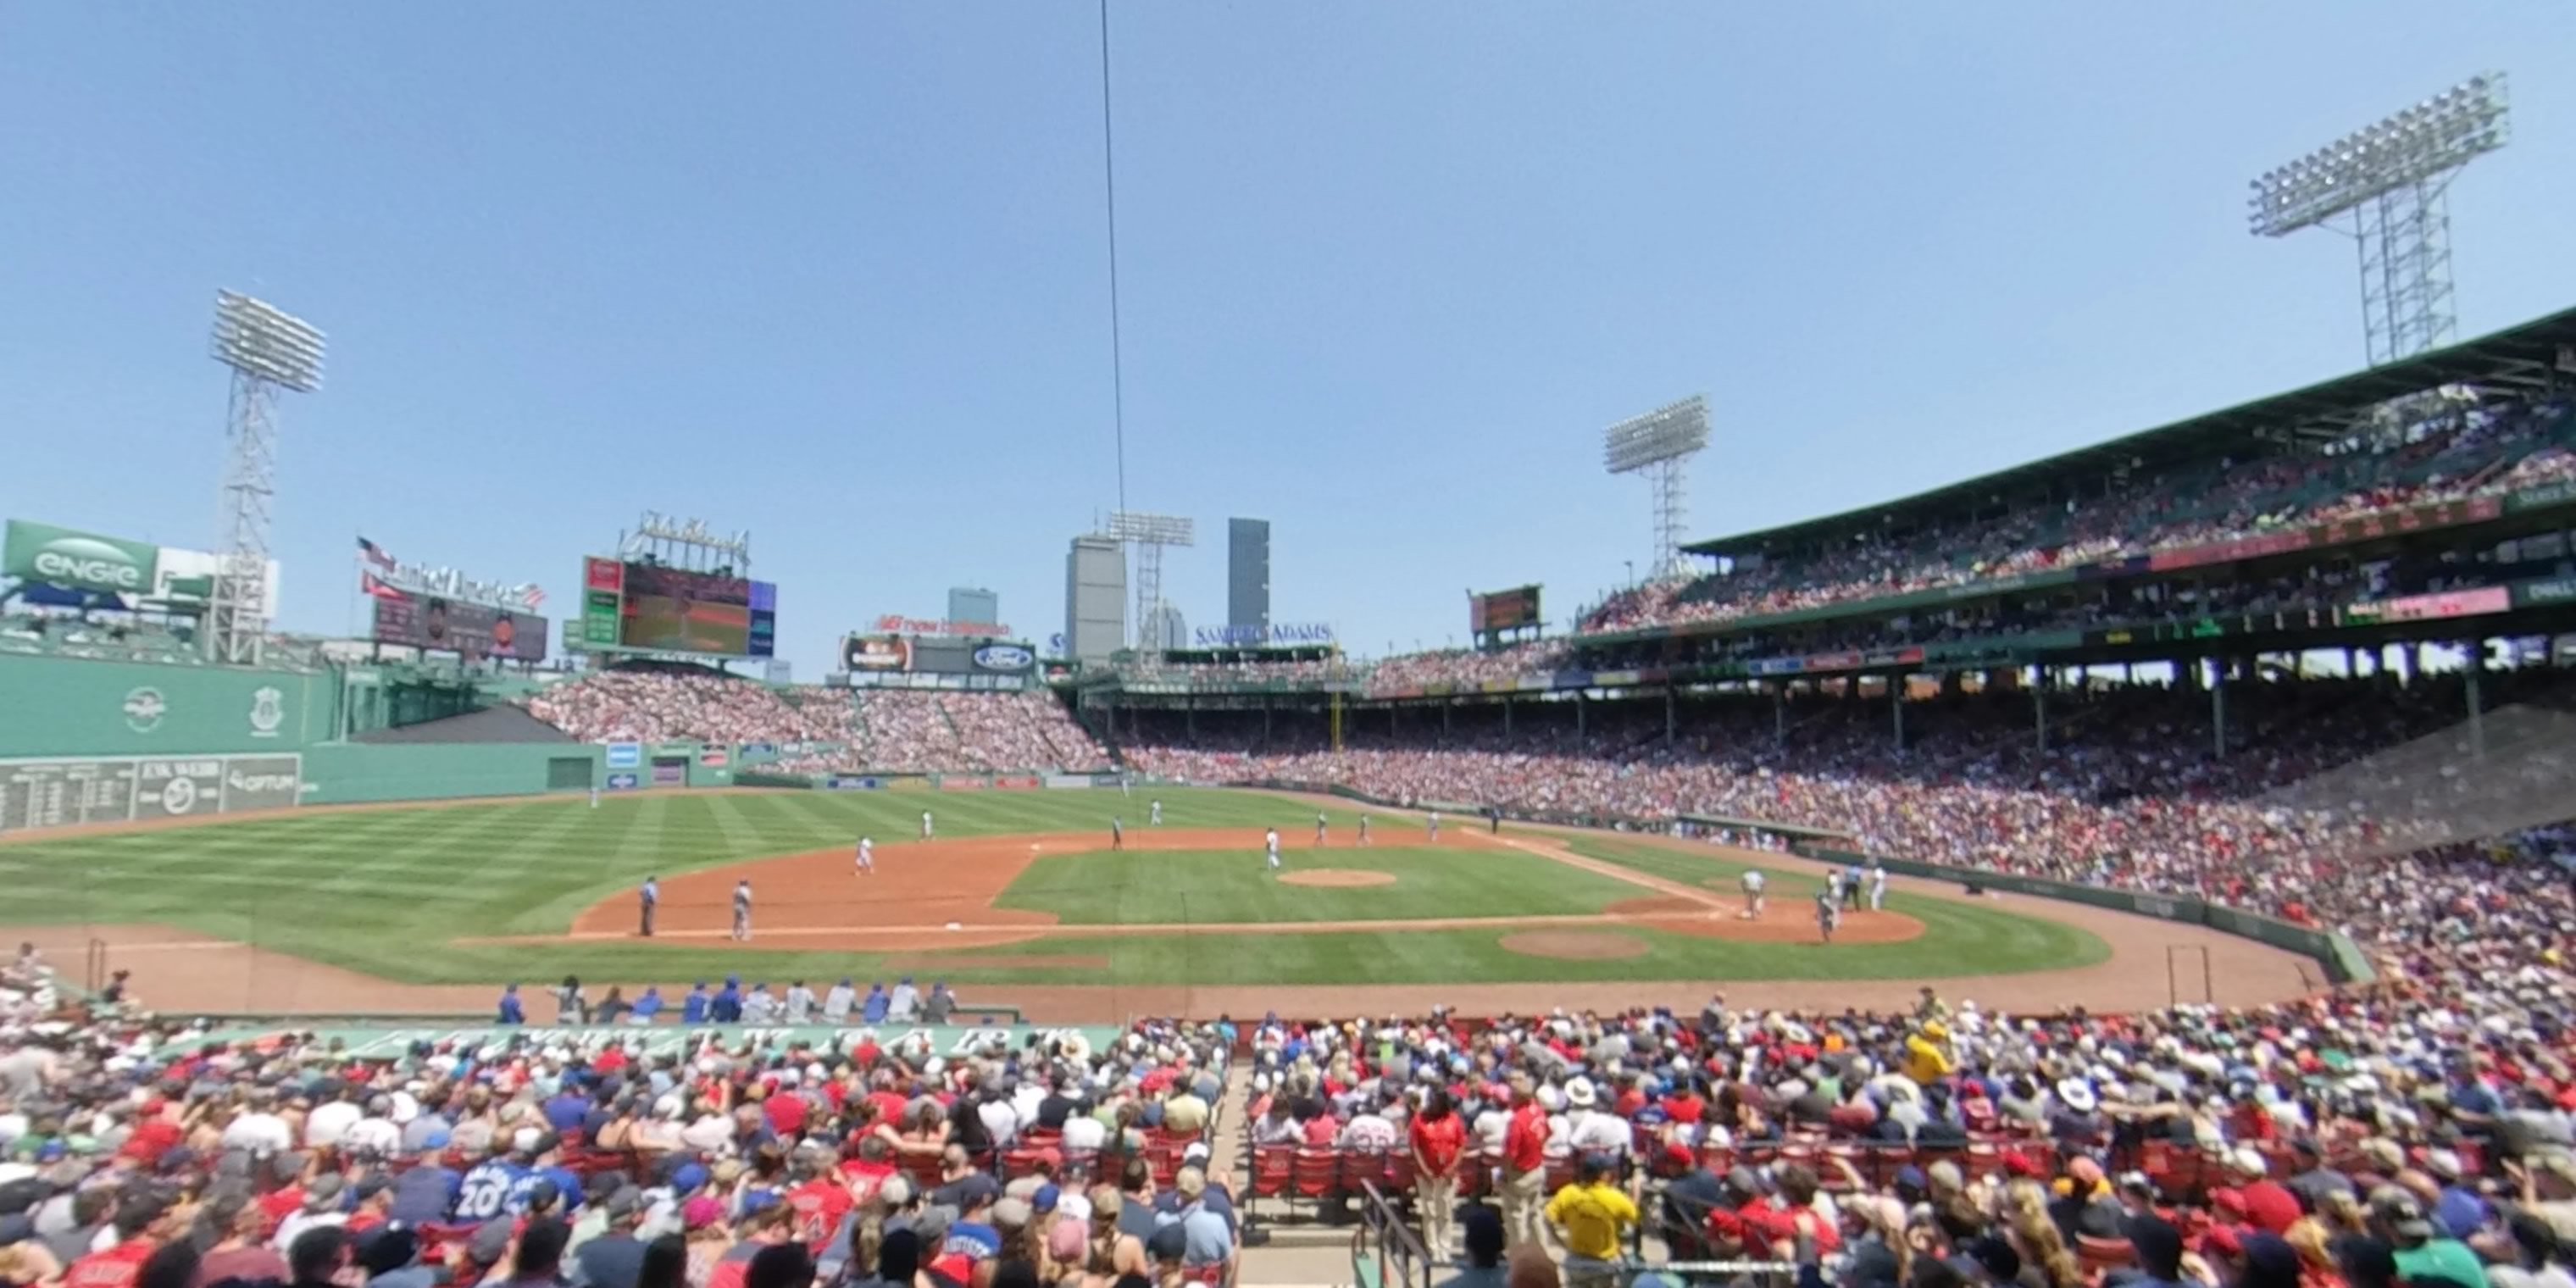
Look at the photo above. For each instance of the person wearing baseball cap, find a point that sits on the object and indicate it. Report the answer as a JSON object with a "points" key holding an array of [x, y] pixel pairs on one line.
{"points": [[1592, 1218], [2424, 1255]]}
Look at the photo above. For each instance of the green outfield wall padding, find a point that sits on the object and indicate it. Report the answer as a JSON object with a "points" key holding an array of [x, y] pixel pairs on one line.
{"points": [[341, 773], [61, 706]]}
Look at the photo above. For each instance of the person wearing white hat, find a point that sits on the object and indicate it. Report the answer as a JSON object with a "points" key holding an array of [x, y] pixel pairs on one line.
{"points": [[1587, 1129]]}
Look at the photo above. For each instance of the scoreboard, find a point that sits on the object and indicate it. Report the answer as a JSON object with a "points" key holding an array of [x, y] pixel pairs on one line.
{"points": [[1502, 610], [656, 608]]}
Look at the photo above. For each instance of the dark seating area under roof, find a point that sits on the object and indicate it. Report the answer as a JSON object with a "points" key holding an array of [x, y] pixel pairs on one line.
{"points": [[2515, 362]]}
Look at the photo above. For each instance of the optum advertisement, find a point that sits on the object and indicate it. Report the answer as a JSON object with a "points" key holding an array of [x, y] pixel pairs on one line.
{"points": [[78, 560]]}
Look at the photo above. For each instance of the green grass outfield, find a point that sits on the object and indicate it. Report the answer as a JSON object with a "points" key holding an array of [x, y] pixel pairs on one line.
{"points": [[386, 891], [1209, 886]]}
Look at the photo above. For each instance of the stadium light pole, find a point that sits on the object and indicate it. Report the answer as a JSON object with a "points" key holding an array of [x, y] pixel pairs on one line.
{"points": [[1149, 533], [2386, 186], [270, 352], [1660, 444]]}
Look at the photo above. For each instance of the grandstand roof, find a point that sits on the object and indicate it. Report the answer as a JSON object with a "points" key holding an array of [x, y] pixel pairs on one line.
{"points": [[2513, 361]]}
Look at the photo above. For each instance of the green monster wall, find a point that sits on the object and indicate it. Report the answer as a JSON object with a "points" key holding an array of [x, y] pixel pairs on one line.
{"points": [[55, 706]]}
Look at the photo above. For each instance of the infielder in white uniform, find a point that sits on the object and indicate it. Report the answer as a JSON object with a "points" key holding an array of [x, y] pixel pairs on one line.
{"points": [[1319, 827], [925, 825], [1363, 829], [1877, 885], [1157, 819], [1435, 825], [1753, 882], [1834, 884], [1271, 839], [742, 911], [867, 856]]}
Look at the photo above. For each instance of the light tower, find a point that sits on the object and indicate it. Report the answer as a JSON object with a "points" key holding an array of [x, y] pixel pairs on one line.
{"points": [[2385, 186], [269, 352], [1149, 533], [1661, 443]]}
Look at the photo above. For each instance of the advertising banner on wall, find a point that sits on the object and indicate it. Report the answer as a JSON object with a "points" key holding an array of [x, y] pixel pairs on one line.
{"points": [[625, 755], [77, 560]]}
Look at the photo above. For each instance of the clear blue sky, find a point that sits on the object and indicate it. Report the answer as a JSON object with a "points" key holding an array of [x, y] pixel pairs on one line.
{"points": [[835, 272]]}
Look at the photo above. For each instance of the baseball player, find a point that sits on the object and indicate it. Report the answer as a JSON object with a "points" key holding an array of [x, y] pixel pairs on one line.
{"points": [[867, 859], [1270, 839], [1117, 833], [1319, 827], [742, 911], [1753, 882], [648, 899], [925, 825], [1829, 914], [1127, 786], [1158, 814], [1877, 885], [1851, 886], [594, 796], [1834, 884], [1435, 825], [1363, 829]]}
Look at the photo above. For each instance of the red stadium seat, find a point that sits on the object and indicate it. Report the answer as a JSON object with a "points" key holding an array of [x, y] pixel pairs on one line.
{"points": [[1271, 1165]]}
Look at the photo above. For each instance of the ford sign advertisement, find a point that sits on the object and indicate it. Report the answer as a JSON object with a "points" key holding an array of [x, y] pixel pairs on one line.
{"points": [[1008, 659]]}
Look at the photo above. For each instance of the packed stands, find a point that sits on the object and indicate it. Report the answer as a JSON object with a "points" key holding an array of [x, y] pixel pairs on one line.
{"points": [[2128, 791], [931, 731], [661, 704], [2480, 452]]}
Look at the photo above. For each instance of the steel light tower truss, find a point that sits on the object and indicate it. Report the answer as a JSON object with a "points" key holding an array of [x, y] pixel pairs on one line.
{"points": [[1149, 533], [1660, 444], [2386, 186], [270, 353]]}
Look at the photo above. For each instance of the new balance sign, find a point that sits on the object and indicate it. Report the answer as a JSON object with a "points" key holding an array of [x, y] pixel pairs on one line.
{"points": [[78, 560]]}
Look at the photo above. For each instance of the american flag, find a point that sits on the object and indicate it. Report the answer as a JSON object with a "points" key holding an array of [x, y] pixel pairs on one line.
{"points": [[536, 596], [375, 554], [368, 582]]}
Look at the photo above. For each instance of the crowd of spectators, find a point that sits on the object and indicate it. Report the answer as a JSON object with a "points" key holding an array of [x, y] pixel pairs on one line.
{"points": [[1153, 665], [677, 703], [2129, 790], [2461, 455], [138, 1155]]}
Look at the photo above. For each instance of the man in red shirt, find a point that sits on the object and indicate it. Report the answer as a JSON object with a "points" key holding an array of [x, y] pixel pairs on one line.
{"points": [[1524, 1185], [819, 1203], [1438, 1135], [142, 1226]]}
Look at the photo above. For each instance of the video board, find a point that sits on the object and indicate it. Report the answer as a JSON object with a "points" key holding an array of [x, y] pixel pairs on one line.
{"points": [[474, 631], [657, 608], [1503, 610], [932, 662]]}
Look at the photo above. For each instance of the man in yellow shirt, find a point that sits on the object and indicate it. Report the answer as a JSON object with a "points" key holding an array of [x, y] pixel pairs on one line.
{"points": [[1591, 1218], [1927, 1053]]}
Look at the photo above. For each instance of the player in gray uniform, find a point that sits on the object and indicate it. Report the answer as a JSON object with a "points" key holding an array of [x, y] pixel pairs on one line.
{"points": [[742, 911]]}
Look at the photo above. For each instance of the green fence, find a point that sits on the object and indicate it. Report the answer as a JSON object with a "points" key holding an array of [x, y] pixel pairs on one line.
{"points": [[342, 773]]}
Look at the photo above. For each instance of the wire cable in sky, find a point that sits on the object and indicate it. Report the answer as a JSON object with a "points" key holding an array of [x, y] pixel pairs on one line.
{"points": [[1109, 174]]}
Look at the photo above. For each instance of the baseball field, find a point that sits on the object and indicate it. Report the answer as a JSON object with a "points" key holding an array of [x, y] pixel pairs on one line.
{"points": [[1020, 899]]}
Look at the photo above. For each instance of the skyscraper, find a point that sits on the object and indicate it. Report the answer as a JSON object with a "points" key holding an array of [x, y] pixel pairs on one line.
{"points": [[1095, 599], [1247, 575], [973, 604], [1165, 628]]}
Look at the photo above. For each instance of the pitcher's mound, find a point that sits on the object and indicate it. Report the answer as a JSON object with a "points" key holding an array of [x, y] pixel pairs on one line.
{"points": [[1574, 945], [1339, 878]]}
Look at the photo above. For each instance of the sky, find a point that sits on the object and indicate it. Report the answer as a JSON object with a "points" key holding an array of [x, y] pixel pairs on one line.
{"points": [[837, 274]]}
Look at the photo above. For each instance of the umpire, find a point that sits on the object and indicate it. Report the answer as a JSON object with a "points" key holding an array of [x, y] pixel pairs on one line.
{"points": [[648, 899]]}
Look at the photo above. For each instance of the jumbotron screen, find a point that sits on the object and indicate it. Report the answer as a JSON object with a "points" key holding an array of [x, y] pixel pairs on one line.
{"points": [[1503, 610], [676, 610]]}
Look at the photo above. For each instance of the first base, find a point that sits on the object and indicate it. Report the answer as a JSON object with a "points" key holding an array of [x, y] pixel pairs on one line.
{"points": [[956, 926]]}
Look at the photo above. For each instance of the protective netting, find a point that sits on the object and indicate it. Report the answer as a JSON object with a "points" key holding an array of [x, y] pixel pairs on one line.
{"points": [[2438, 789]]}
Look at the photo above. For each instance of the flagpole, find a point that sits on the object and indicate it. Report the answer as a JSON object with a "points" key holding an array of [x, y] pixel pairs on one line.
{"points": [[352, 628]]}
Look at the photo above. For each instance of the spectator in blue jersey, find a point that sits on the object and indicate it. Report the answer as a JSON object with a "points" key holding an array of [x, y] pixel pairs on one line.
{"points": [[511, 1011], [542, 1155], [693, 1008], [484, 1194], [873, 1009], [648, 1008], [727, 1006]]}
